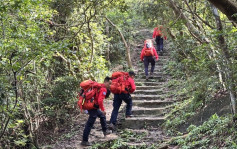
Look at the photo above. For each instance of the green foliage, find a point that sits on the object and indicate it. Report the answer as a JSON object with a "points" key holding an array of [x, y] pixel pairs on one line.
{"points": [[64, 93], [193, 94], [45, 51], [217, 131]]}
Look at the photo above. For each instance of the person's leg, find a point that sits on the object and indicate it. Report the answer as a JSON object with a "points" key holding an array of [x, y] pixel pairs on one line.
{"points": [[161, 44], [158, 43], [102, 120], [116, 104], [89, 124], [146, 64], [153, 62], [128, 100]]}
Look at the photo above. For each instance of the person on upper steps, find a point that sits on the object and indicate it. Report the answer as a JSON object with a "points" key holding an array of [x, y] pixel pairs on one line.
{"points": [[149, 55], [159, 35]]}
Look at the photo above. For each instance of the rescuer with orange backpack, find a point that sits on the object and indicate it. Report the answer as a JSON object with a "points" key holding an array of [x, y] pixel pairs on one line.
{"points": [[122, 86], [148, 55], [91, 99]]}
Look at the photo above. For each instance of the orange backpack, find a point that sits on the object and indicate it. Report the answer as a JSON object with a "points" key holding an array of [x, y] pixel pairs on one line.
{"points": [[118, 84], [86, 98], [148, 51]]}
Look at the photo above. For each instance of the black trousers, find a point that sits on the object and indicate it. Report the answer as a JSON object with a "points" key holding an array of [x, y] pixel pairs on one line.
{"points": [[147, 60], [159, 43], [93, 114]]}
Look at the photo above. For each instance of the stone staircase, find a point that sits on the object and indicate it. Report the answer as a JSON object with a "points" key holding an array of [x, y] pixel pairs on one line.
{"points": [[150, 100]]}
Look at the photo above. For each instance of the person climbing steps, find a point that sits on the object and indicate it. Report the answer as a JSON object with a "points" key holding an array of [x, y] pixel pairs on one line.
{"points": [[122, 86], [91, 99], [149, 55], [159, 35]]}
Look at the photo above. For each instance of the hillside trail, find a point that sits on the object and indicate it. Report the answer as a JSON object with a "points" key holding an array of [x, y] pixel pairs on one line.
{"points": [[151, 101]]}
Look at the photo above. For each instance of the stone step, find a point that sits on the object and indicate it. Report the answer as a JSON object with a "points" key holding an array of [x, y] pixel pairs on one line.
{"points": [[147, 83], [151, 91], [157, 72], [138, 111], [152, 103], [144, 80], [151, 80], [147, 97], [151, 116], [156, 67], [142, 122], [135, 144], [164, 57], [155, 77], [148, 87]]}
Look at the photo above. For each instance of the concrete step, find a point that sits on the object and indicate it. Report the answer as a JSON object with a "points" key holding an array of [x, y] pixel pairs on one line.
{"points": [[151, 91], [147, 83], [138, 111], [147, 97], [142, 122], [152, 103]]}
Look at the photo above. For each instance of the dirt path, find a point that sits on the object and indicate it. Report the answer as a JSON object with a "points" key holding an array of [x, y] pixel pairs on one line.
{"points": [[151, 102]]}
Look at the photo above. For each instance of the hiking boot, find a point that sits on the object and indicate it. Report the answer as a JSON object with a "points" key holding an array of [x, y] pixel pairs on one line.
{"points": [[151, 74], [147, 77], [106, 133], [111, 127], [86, 143], [129, 116]]}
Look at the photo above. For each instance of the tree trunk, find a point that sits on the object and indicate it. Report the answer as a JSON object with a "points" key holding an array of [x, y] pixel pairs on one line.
{"points": [[129, 62], [193, 31], [92, 41], [228, 7], [226, 61], [108, 46]]}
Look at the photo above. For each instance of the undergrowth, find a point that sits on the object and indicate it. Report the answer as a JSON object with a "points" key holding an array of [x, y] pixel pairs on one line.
{"points": [[217, 132], [193, 93]]}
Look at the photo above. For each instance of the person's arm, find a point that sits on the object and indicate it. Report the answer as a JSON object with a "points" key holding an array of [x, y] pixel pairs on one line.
{"points": [[156, 55], [101, 98], [142, 54], [132, 84]]}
